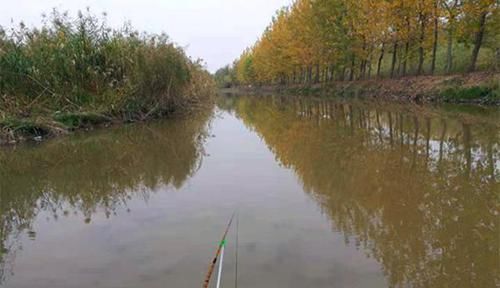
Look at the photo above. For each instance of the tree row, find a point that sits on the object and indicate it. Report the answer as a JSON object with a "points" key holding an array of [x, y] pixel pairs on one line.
{"points": [[314, 41]]}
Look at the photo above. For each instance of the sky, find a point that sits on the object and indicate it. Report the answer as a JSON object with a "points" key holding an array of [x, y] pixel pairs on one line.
{"points": [[215, 30]]}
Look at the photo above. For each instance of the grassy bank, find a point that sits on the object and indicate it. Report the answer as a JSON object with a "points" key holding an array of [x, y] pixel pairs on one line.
{"points": [[76, 72], [480, 88]]}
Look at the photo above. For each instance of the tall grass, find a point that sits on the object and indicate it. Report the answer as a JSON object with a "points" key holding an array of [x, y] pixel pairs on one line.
{"points": [[77, 64]]}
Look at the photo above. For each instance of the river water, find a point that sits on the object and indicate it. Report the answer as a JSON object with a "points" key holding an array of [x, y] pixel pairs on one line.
{"points": [[328, 193]]}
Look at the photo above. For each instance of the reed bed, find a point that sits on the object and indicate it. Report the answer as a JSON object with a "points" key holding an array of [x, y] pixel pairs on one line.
{"points": [[73, 66]]}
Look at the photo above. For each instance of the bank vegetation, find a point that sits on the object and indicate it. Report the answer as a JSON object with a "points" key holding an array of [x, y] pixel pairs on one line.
{"points": [[76, 72]]}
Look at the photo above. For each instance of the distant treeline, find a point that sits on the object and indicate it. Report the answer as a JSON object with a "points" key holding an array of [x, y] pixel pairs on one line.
{"points": [[315, 41], [79, 64]]}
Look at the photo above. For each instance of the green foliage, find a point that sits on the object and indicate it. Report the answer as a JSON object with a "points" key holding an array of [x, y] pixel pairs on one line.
{"points": [[225, 77], [83, 119], [245, 72], [457, 94], [80, 64]]}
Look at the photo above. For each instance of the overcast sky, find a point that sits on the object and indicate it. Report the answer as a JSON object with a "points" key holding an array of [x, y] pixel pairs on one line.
{"points": [[215, 30]]}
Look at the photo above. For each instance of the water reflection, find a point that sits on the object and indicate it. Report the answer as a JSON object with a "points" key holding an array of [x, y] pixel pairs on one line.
{"points": [[93, 172], [416, 188]]}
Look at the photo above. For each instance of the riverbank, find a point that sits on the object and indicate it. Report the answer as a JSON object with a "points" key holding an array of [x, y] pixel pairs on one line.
{"points": [[21, 121], [39, 128], [474, 88], [77, 73]]}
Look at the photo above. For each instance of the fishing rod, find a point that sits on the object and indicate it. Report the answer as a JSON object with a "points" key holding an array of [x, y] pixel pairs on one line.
{"points": [[219, 274], [220, 251]]}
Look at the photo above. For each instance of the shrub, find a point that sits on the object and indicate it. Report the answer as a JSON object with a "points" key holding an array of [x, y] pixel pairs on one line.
{"points": [[80, 64], [470, 93]]}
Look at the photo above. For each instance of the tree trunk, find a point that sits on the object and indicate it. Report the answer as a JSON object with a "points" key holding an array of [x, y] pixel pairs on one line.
{"points": [[362, 66], [380, 60], [434, 44], [351, 74], [370, 67], [400, 63], [407, 46], [332, 72], [421, 46], [309, 74], [478, 41], [317, 76], [449, 53], [497, 62], [394, 58]]}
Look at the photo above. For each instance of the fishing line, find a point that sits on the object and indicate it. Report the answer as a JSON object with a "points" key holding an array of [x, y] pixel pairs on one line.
{"points": [[236, 253]]}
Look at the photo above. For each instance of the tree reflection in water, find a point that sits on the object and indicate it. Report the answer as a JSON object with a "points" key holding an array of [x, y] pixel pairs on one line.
{"points": [[414, 187], [94, 172]]}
